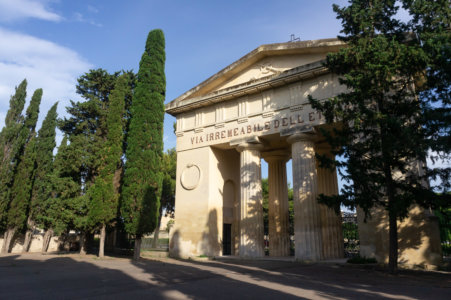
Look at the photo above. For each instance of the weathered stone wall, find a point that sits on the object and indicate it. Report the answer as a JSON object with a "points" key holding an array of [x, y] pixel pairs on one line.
{"points": [[418, 238], [36, 243]]}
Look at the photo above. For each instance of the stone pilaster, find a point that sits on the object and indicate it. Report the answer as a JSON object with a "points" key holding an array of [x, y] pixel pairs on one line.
{"points": [[251, 210], [307, 215], [278, 214], [331, 224]]}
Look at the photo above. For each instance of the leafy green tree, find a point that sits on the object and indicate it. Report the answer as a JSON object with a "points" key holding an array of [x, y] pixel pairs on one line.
{"points": [[265, 204], [141, 190], [68, 199], [382, 136], [64, 189], [265, 196], [86, 129], [8, 137], [431, 24], [104, 194], [45, 143], [167, 201], [19, 194]]}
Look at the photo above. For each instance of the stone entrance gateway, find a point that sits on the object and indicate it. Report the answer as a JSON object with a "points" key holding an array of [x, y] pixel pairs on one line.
{"points": [[256, 108]]}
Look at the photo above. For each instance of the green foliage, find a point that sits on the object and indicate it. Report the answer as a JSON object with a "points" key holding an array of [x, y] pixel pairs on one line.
{"points": [[40, 208], [142, 185], [67, 202], [350, 231], [430, 23], [384, 134], [169, 169], [86, 126], [8, 144], [91, 155], [444, 219], [362, 260], [103, 194], [265, 204], [20, 191]]}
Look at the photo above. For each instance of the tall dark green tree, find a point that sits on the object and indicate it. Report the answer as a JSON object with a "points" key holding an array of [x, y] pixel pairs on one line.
{"points": [[20, 191], [141, 190], [431, 23], [167, 200], [8, 137], [86, 130], [68, 201], [63, 189], [383, 134], [104, 194], [45, 143]]}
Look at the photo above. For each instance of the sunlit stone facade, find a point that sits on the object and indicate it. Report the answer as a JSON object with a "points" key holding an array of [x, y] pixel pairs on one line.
{"points": [[255, 109]]}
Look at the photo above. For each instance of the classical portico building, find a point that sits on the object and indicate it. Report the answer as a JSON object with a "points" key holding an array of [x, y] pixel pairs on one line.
{"points": [[254, 109]]}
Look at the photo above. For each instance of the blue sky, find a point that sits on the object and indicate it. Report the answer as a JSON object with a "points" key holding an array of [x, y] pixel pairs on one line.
{"points": [[52, 42]]}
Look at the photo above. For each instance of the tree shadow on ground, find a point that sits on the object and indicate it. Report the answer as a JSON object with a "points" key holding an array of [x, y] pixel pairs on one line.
{"points": [[332, 281], [37, 276]]}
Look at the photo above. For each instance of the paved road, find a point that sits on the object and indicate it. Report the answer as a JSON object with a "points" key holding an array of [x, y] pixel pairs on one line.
{"points": [[35, 276]]}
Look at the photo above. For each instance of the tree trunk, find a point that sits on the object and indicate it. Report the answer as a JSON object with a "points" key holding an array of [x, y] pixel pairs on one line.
{"points": [[27, 241], [393, 241], [7, 238], [391, 193], [114, 237], [61, 241], [28, 236], [46, 240], [83, 243], [156, 234], [137, 250], [102, 241]]}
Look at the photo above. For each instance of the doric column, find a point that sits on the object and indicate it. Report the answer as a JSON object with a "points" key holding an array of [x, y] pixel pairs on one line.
{"points": [[278, 215], [332, 232], [307, 222], [251, 210]]}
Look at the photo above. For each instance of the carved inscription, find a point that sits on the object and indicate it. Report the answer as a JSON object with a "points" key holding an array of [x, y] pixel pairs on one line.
{"points": [[275, 124]]}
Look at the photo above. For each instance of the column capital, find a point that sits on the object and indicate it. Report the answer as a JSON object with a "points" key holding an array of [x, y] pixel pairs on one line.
{"points": [[249, 146], [299, 137], [253, 143], [276, 155]]}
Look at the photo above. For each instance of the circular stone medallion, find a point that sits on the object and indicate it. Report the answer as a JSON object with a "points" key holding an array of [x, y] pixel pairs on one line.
{"points": [[190, 177]]}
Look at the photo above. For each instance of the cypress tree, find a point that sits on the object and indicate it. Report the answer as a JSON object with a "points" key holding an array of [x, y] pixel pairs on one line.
{"points": [[103, 203], [19, 194], [8, 136], [142, 182], [65, 202], [45, 143]]}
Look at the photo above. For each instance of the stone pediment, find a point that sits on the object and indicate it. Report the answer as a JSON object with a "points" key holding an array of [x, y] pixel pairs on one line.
{"points": [[265, 64]]}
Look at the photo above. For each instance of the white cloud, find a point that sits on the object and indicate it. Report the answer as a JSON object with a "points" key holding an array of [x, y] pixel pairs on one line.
{"points": [[92, 9], [44, 64], [11, 10], [81, 18]]}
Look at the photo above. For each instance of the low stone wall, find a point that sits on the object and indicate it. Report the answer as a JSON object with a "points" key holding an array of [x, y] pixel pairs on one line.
{"points": [[36, 243]]}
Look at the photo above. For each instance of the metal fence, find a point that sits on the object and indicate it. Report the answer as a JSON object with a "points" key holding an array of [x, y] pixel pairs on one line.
{"points": [[350, 234]]}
